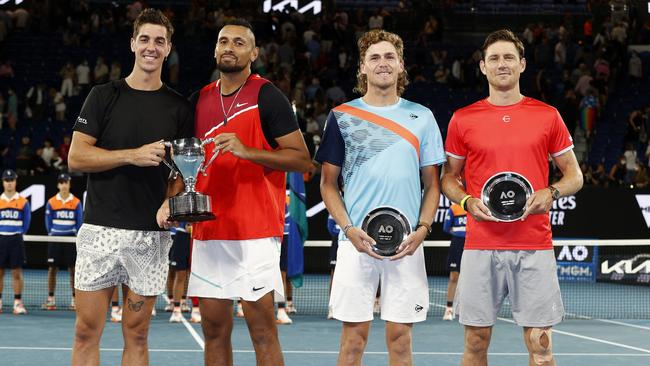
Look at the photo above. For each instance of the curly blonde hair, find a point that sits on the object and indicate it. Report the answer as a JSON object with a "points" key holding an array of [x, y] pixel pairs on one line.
{"points": [[367, 40]]}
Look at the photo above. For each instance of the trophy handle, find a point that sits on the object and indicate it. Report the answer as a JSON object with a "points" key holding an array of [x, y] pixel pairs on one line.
{"points": [[214, 156], [171, 165]]}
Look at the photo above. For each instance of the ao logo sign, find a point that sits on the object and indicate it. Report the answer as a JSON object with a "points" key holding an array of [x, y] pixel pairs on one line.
{"points": [[509, 194], [578, 254], [386, 229]]}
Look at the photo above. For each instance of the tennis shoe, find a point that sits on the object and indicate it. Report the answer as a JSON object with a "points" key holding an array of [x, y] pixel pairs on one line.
{"points": [[19, 308], [449, 314], [283, 318], [196, 315], [177, 316], [116, 314], [291, 308], [185, 307], [50, 304]]}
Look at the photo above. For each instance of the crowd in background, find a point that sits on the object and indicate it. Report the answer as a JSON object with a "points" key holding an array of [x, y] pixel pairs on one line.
{"points": [[575, 63]]}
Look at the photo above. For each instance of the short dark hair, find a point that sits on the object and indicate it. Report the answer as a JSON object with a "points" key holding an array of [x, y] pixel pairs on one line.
{"points": [[153, 16], [503, 35], [240, 22]]}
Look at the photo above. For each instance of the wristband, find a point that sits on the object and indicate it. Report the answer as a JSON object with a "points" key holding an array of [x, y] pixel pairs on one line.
{"points": [[346, 228], [425, 225], [463, 202]]}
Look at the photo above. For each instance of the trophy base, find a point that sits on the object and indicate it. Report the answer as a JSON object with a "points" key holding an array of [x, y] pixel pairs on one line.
{"points": [[388, 227], [190, 207]]}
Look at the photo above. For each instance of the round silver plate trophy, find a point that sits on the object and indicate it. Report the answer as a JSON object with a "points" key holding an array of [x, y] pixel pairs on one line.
{"points": [[388, 227], [188, 158], [506, 194]]}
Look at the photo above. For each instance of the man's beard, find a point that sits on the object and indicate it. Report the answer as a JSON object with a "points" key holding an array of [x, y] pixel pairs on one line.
{"points": [[230, 68]]}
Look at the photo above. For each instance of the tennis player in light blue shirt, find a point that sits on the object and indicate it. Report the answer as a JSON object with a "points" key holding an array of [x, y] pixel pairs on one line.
{"points": [[387, 151]]}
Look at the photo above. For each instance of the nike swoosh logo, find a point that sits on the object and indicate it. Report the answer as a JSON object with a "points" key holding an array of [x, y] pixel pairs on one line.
{"points": [[258, 288], [241, 105]]}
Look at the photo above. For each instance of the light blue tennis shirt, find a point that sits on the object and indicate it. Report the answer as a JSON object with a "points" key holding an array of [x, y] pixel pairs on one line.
{"points": [[380, 151]]}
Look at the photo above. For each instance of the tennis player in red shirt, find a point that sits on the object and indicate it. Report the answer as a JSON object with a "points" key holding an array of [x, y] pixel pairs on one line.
{"points": [[508, 132]]}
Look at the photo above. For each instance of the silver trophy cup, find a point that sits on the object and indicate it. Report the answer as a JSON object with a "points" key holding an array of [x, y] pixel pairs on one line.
{"points": [[188, 157]]}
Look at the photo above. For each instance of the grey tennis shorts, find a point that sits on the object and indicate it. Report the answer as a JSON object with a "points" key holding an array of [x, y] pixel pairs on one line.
{"points": [[527, 277], [108, 256]]}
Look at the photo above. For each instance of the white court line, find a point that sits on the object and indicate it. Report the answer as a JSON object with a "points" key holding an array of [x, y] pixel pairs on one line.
{"points": [[102, 349], [609, 321], [67, 349], [193, 333], [623, 324], [590, 338]]}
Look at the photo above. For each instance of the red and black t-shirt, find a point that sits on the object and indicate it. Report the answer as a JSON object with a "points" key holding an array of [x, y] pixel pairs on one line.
{"points": [[248, 199]]}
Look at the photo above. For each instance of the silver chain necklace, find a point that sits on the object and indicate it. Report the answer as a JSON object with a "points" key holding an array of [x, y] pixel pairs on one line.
{"points": [[225, 114]]}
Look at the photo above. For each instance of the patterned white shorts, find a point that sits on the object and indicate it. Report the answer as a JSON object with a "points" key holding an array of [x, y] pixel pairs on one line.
{"points": [[108, 256]]}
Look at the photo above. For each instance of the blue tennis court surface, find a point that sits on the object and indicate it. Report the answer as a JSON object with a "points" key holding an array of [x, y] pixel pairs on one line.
{"points": [[41, 337]]}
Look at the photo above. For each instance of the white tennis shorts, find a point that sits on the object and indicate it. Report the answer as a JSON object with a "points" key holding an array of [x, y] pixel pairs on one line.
{"points": [[236, 269], [404, 287]]}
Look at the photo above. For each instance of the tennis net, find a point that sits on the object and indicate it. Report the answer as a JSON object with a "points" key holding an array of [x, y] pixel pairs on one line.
{"points": [[603, 279]]}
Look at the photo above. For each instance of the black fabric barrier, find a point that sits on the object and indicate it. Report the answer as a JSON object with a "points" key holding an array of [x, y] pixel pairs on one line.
{"points": [[594, 213]]}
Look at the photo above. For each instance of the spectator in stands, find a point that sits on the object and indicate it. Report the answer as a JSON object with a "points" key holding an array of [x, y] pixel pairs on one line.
{"points": [[635, 124], [48, 151], [3, 103], [589, 110], [39, 167], [560, 54], [57, 163], [631, 163], [25, 157], [619, 33], [21, 18], [64, 148], [36, 98], [6, 70], [543, 53], [16, 215], [116, 71], [600, 40], [12, 104], [286, 55], [584, 81], [376, 21], [83, 77], [635, 67], [101, 71], [618, 172], [68, 74], [569, 110], [334, 94], [641, 179], [587, 174], [133, 10], [59, 104]]}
